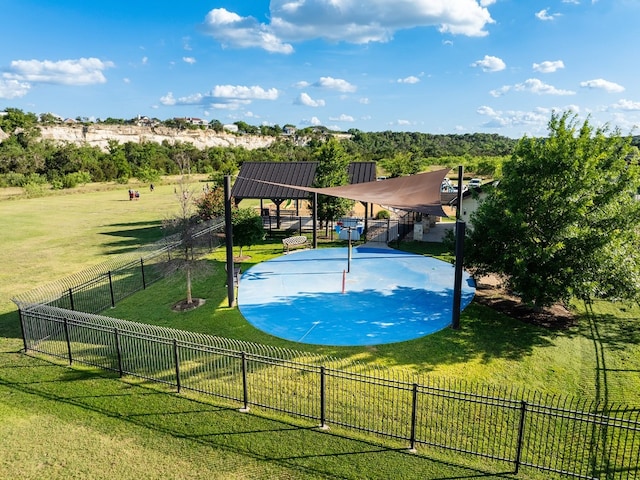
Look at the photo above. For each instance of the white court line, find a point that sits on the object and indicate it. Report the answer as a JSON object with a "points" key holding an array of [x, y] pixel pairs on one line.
{"points": [[315, 324]]}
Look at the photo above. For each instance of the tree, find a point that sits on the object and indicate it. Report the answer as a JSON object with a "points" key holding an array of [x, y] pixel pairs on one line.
{"points": [[216, 126], [185, 224], [402, 163], [563, 221], [247, 227], [211, 203], [331, 172], [15, 119]]}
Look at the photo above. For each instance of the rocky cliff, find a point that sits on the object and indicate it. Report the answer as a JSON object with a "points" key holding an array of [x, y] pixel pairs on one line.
{"points": [[99, 136]]}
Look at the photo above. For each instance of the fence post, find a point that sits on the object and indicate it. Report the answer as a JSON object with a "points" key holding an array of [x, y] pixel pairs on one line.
{"points": [[144, 283], [414, 417], [523, 411], [245, 387], [176, 359], [323, 399], [24, 337], [71, 299], [118, 351], [113, 301], [66, 336]]}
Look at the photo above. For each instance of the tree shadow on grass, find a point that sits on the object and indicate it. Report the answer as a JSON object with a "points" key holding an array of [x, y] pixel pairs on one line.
{"points": [[10, 325], [132, 235], [484, 335], [299, 448]]}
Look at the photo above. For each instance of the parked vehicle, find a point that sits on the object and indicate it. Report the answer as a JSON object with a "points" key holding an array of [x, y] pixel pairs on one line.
{"points": [[475, 182]]}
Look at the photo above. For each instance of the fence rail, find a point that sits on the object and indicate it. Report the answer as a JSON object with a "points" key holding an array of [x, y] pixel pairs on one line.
{"points": [[560, 436]]}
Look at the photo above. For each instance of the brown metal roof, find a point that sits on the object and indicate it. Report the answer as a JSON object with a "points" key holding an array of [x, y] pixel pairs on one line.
{"points": [[361, 172], [288, 173]]}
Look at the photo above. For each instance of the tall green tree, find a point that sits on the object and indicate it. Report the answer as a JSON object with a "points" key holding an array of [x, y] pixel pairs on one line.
{"points": [[402, 163], [211, 203], [563, 221], [15, 119], [332, 171], [247, 227]]}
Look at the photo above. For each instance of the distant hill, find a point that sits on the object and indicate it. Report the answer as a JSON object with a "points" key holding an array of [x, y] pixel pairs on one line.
{"points": [[99, 135]]}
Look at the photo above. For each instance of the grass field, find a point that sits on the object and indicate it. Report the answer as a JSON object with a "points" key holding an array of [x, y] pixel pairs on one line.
{"points": [[57, 422]]}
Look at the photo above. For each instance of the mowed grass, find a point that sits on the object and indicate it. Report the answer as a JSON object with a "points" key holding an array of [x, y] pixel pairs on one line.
{"points": [[597, 359], [57, 422]]}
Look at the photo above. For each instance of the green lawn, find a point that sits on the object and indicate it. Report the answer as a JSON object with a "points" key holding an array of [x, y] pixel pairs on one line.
{"points": [[53, 419]]}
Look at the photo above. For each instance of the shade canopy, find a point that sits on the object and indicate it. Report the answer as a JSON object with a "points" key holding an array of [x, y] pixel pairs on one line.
{"points": [[416, 193]]}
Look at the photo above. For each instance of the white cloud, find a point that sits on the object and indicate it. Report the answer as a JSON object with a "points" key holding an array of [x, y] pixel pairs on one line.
{"points": [[13, 88], [302, 84], [498, 92], [345, 21], [306, 100], [193, 99], [242, 92], [548, 66], [401, 122], [532, 85], [312, 121], [342, 118], [536, 119], [168, 99], [410, 79], [364, 101], [335, 84], [230, 97], [545, 16], [627, 105], [82, 71], [244, 32], [602, 84], [189, 60], [490, 64]]}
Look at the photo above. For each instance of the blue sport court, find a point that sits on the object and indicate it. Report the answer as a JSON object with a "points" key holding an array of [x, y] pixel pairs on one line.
{"points": [[387, 296]]}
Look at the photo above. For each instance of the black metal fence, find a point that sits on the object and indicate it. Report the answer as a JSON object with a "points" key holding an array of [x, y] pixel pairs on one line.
{"points": [[378, 230], [560, 436]]}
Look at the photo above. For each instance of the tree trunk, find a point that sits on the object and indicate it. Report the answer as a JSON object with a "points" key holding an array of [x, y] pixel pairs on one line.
{"points": [[189, 299]]}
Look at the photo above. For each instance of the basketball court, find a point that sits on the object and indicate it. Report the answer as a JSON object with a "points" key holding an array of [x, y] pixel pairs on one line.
{"points": [[379, 296]]}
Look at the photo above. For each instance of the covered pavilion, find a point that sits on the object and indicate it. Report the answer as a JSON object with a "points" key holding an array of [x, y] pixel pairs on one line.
{"points": [[280, 181]]}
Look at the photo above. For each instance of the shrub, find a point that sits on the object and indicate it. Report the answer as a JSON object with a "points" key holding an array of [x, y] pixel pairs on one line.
{"points": [[71, 180], [383, 214], [12, 179]]}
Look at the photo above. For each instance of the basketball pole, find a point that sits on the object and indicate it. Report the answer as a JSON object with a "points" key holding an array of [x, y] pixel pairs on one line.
{"points": [[457, 282], [228, 232]]}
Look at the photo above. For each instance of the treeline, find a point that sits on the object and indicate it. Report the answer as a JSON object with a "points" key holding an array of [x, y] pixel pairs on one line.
{"points": [[387, 144], [26, 160]]}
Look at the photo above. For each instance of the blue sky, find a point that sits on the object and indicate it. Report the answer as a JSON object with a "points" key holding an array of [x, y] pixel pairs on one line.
{"points": [[433, 66]]}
